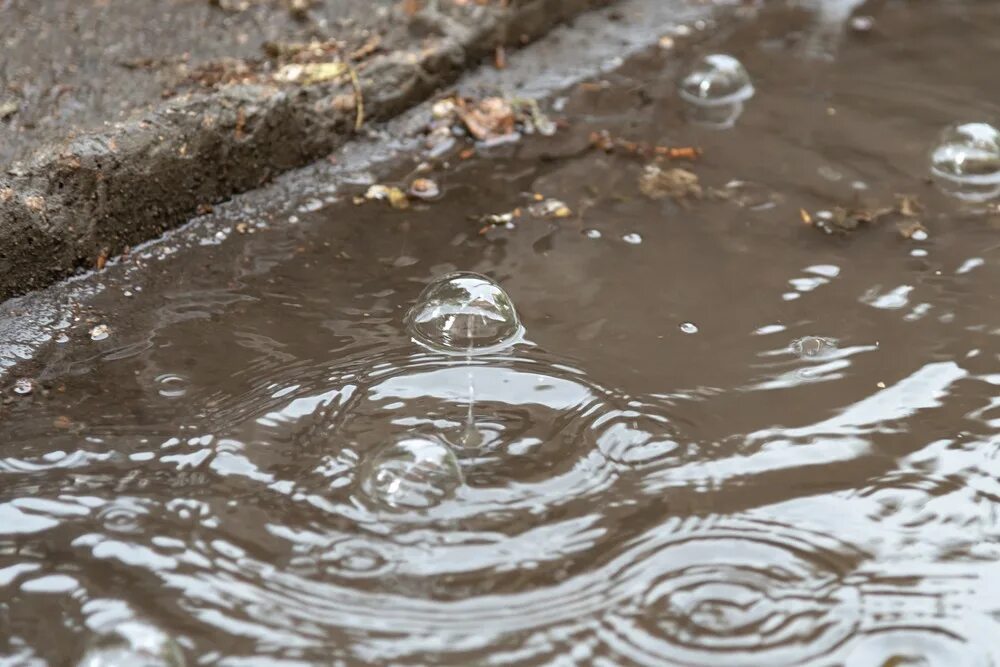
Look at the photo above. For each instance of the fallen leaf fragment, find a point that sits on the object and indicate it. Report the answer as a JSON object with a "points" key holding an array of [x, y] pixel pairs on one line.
{"points": [[676, 183], [549, 208]]}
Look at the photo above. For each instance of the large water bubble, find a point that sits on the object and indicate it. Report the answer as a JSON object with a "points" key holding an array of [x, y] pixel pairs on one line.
{"points": [[136, 644], [966, 161], [413, 473], [464, 313], [715, 89]]}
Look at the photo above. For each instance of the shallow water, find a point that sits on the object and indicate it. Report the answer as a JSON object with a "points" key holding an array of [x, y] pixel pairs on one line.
{"points": [[726, 438]]}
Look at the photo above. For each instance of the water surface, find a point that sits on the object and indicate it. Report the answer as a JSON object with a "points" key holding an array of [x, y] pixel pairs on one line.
{"points": [[727, 438]]}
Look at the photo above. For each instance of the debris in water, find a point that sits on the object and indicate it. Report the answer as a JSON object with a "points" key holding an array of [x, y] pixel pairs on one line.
{"points": [[491, 120], [841, 220], [395, 196], [677, 183], [424, 188], [549, 208], [603, 140], [492, 220], [100, 332], [912, 229]]}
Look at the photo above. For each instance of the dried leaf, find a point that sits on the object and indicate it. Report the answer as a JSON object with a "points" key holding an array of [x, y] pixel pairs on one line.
{"points": [[491, 118], [909, 206]]}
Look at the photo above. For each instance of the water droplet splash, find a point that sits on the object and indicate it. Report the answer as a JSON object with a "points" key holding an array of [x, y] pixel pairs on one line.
{"points": [[464, 313], [966, 162], [414, 473], [715, 89], [136, 644]]}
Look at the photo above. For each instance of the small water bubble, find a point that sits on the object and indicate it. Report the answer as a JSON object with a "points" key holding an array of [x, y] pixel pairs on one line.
{"points": [[136, 644], [464, 313], [966, 161], [171, 386], [100, 332], [592, 233], [715, 89], [413, 473], [632, 238], [813, 347], [689, 327]]}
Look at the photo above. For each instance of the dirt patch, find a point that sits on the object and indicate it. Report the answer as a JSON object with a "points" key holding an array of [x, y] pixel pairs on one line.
{"points": [[98, 194]]}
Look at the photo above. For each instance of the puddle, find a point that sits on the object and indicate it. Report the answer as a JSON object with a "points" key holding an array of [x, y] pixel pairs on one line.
{"points": [[700, 431]]}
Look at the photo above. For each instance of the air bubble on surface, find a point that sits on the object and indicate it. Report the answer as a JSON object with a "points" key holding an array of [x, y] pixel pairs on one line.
{"points": [[966, 162], [412, 474], [464, 313]]}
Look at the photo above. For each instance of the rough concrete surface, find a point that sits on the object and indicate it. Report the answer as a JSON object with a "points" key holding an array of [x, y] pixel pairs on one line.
{"points": [[227, 126]]}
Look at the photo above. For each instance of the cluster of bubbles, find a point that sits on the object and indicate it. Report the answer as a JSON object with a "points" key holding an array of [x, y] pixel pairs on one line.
{"points": [[463, 314], [965, 161]]}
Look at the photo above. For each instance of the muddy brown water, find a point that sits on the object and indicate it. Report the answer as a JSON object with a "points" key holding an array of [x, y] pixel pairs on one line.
{"points": [[807, 475]]}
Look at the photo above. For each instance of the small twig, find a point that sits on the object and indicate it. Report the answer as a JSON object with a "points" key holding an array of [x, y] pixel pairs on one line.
{"points": [[359, 100]]}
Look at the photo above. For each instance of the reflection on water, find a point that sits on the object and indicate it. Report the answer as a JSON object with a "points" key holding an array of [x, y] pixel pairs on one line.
{"points": [[726, 439]]}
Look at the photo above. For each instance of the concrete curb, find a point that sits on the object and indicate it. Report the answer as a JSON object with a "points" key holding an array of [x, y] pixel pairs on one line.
{"points": [[101, 193]]}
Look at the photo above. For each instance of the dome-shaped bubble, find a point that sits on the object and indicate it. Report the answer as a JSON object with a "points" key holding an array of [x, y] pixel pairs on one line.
{"points": [[715, 89], [413, 473], [717, 79], [464, 313], [966, 161], [136, 644]]}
